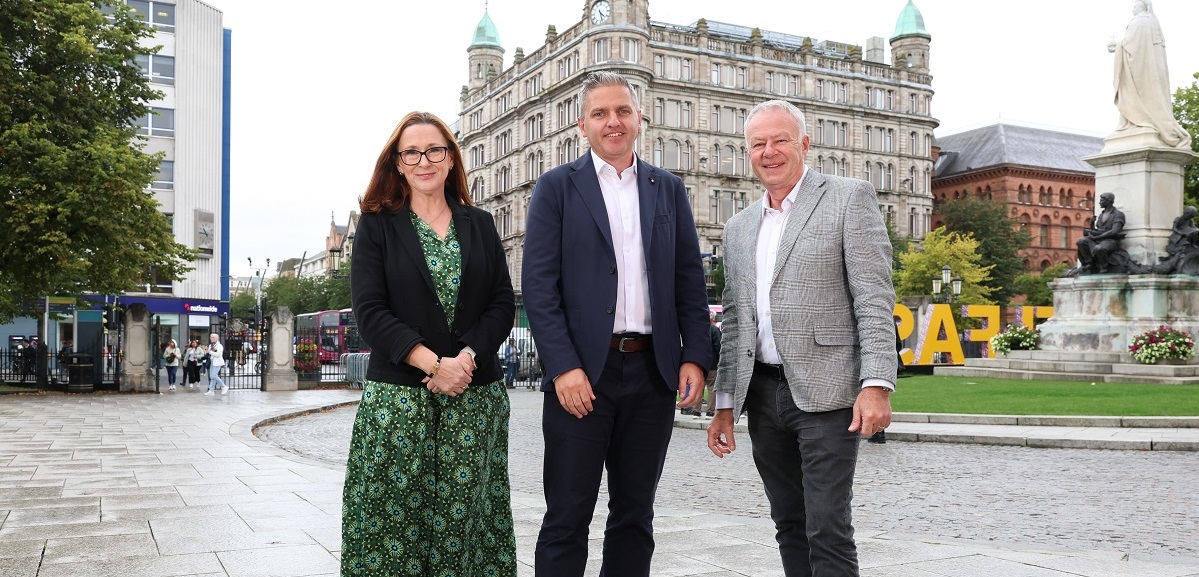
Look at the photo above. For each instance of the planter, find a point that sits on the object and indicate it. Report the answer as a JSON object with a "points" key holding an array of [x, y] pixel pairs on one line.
{"points": [[1172, 362]]}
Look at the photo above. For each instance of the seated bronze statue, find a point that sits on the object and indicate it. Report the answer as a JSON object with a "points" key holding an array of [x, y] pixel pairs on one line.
{"points": [[1099, 250]]}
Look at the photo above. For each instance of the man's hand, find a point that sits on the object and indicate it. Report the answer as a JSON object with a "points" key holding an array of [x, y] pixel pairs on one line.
{"points": [[691, 384], [574, 392], [720, 433], [871, 411]]}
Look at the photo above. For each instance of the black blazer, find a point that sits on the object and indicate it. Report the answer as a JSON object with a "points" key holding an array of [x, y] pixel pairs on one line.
{"points": [[396, 306]]}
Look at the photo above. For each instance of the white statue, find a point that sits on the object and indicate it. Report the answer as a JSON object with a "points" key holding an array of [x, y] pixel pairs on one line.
{"points": [[1142, 82]]}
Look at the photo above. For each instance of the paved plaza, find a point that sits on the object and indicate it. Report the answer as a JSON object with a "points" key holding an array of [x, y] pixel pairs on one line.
{"points": [[178, 485]]}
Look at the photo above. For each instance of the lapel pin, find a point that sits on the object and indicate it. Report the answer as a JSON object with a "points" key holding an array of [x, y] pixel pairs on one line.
{"points": [[651, 180]]}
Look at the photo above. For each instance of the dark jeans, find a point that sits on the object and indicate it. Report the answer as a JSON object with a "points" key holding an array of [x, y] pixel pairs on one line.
{"points": [[628, 432], [510, 375], [172, 374], [807, 463]]}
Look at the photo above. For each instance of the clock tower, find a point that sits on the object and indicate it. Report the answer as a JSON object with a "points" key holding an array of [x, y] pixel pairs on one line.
{"points": [[617, 12]]}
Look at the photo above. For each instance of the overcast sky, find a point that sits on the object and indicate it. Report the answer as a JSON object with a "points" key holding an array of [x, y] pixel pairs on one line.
{"points": [[318, 86]]}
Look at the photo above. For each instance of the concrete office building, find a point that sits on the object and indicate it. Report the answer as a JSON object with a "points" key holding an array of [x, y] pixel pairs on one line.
{"points": [[190, 126], [869, 116]]}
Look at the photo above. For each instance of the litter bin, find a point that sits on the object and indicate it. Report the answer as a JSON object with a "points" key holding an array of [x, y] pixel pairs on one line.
{"points": [[81, 373]]}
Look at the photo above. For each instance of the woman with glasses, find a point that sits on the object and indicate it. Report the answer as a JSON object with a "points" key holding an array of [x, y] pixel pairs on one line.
{"points": [[427, 490]]}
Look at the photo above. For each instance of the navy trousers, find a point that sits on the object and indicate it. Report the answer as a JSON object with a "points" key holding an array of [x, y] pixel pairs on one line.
{"points": [[628, 432]]}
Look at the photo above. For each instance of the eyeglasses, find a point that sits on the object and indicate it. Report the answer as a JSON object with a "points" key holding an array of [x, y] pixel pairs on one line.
{"points": [[411, 157]]}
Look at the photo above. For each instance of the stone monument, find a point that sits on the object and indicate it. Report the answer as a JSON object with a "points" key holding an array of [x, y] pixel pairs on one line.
{"points": [[1141, 168], [280, 374]]}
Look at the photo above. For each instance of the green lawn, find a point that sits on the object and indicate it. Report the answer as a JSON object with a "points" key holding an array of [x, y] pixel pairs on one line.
{"points": [[979, 395]]}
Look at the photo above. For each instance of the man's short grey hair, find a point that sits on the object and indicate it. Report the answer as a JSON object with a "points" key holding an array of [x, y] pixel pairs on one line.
{"points": [[601, 79], [778, 105]]}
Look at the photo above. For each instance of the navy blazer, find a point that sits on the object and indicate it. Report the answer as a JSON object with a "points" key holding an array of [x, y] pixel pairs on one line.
{"points": [[569, 274], [396, 305]]}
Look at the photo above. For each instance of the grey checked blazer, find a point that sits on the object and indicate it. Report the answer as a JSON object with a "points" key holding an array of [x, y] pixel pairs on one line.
{"points": [[831, 298]]}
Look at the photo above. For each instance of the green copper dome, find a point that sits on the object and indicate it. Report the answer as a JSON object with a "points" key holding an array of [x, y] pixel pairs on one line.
{"points": [[910, 23], [486, 34]]}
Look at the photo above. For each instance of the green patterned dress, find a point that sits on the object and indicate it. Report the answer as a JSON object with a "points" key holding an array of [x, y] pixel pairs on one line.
{"points": [[427, 490]]}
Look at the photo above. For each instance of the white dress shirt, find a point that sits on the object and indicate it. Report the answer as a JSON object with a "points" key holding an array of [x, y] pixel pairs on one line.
{"points": [[770, 234], [623, 204]]}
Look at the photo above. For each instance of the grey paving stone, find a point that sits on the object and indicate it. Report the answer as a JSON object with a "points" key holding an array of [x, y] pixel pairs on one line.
{"points": [[157, 566], [280, 562], [102, 548], [72, 530], [19, 566], [53, 516], [109, 515], [17, 549]]}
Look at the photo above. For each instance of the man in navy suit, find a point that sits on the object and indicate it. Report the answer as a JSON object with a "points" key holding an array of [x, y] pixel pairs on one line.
{"points": [[614, 289]]}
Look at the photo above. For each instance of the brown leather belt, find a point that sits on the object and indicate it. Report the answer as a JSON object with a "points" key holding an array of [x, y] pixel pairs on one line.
{"points": [[632, 342]]}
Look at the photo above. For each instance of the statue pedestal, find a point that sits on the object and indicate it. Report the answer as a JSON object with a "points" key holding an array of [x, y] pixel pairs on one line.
{"points": [[1147, 181], [1102, 313]]}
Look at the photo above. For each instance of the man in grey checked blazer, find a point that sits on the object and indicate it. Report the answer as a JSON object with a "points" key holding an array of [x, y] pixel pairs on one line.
{"points": [[808, 346]]}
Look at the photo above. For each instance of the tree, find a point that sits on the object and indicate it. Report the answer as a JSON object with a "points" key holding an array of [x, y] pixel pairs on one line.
{"points": [[899, 245], [1035, 286], [241, 306], [999, 240], [77, 216], [942, 247], [1186, 110], [718, 280]]}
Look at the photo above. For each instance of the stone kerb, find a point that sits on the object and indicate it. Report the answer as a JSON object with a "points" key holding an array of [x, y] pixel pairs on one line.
{"points": [[280, 370]]}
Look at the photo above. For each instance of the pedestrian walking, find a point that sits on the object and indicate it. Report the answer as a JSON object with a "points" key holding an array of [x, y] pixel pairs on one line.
{"points": [[216, 361], [427, 490], [170, 356], [511, 363], [193, 359]]}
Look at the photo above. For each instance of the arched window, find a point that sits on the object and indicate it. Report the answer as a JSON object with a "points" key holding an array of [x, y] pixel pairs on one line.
{"points": [[1025, 222], [742, 165], [987, 193], [476, 189], [1044, 265], [1042, 198], [866, 173], [1070, 198], [673, 154], [658, 152], [686, 155], [1065, 239], [1043, 237], [728, 160]]}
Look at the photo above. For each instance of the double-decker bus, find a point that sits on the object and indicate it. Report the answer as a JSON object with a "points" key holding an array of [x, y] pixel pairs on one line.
{"points": [[334, 332]]}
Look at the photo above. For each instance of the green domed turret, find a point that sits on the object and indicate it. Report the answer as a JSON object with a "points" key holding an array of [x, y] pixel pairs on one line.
{"points": [[486, 34], [910, 23]]}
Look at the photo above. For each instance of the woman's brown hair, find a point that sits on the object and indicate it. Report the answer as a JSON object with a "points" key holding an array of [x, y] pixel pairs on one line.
{"points": [[389, 192]]}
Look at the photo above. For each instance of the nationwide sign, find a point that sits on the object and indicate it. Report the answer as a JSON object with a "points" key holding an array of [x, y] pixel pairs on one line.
{"points": [[199, 308]]}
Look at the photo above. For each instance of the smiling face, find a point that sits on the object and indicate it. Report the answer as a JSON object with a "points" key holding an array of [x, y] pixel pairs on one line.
{"points": [[425, 177], [776, 149], [611, 122]]}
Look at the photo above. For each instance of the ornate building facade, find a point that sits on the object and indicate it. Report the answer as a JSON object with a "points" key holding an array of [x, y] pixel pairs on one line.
{"points": [[1039, 174], [868, 118]]}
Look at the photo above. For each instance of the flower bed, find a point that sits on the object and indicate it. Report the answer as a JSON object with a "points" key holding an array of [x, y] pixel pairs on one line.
{"points": [[1016, 338], [1162, 343]]}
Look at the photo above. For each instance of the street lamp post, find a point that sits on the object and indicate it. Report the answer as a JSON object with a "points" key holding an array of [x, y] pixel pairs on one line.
{"points": [[946, 288]]}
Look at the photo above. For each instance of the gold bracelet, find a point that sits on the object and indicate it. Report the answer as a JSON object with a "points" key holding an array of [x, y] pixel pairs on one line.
{"points": [[436, 367]]}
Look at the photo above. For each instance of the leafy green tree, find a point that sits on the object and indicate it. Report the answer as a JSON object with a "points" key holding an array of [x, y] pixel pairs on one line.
{"points": [[999, 239], [337, 289], [75, 213], [899, 245], [241, 306], [1186, 110], [718, 280], [942, 247], [1035, 286]]}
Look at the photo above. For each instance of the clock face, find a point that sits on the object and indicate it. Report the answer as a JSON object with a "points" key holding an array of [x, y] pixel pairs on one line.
{"points": [[205, 235], [600, 11]]}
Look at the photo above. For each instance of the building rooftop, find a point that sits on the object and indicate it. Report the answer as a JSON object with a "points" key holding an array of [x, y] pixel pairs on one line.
{"points": [[1008, 144], [740, 33]]}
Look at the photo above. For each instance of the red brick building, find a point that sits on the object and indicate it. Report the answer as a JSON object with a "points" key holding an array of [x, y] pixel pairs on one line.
{"points": [[1038, 173]]}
